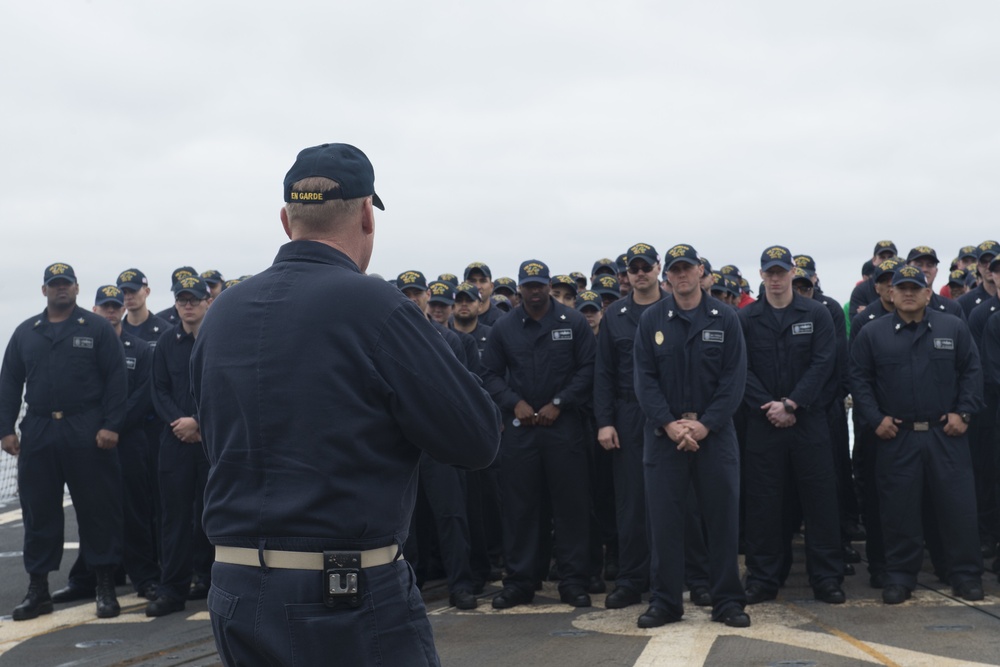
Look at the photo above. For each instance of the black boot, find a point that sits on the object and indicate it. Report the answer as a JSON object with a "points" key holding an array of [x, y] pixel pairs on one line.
{"points": [[37, 601], [107, 599]]}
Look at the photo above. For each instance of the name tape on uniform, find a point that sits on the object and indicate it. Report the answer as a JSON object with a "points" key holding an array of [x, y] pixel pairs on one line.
{"points": [[710, 336], [944, 344], [562, 334], [802, 328], [85, 342]]}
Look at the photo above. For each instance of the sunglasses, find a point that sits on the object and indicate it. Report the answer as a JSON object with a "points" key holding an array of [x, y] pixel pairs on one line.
{"points": [[637, 268]]}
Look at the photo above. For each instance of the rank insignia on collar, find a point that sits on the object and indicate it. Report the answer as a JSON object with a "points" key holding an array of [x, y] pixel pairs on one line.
{"points": [[82, 321], [156, 329], [670, 313], [898, 326], [715, 312], [624, 309], [562, 317], [38, 323], [872, 316]]}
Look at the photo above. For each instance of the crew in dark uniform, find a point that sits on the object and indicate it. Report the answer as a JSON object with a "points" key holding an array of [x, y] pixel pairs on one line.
{"points": [[71, 367], [170, 315], [609, 289], [990, 355], [309, 501], [465, 319], [958, 283], [140, 322], [925, 258], [539, 364], [139, 558], [916, 379], [864, 292], [479, 275], [441, 301], [581, 281], [690, 373], [986, 288], [214, 281], [791, 351], [183, 468], [620, 421], [507, 287]]}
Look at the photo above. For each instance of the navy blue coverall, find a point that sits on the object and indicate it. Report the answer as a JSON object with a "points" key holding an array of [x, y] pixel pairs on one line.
{"points": [[919, 373], [314, 420], [692, 362], [538, 361], [73, 374], [795, 362]]}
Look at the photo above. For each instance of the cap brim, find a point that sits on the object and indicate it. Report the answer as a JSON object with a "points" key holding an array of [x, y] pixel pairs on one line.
{"points": [[912, 281], [377, 202], [687, 260], [131, 286], [101, 302], [650, 260], [776, 262], [69, 278], [441, 300], [533, 280]]}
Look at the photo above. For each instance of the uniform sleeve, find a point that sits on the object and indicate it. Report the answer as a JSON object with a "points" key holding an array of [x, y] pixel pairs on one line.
{"points": [[12, 376], [111, 360], [495, 366], [808, 390], [862, 379], [163, 401], [605, 375], [970, 374], [858, 297], [579, 390], [840, 335], [440, 406], [647, 374], [140, 400], [729, 393], [990, 351], [756, 393]]}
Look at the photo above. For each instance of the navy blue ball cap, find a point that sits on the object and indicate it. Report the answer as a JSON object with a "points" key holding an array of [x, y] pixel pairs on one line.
{"points": [[731, 270], [621, 264], [564, 281], [132, 279], [805, 262], [505, 283], [477, 266], [533, 271], [442, 292], [182, 272], [994, 264], [588, 299], [681, 253], [604, 265], [212, 277], [449, 278], [882, 246], [958, 277], [59, 271], [909, 274], [921, 251], [707, 264], [968, 252], [342, 163], [802, 275], [502, 302], [411, 280], [776, 255], [109, 294], [887, 266], [607, 286], [470, 291], [192, 285], [988, 248], [642, 251]]}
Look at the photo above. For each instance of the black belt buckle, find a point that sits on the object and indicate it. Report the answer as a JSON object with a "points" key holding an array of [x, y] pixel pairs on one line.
{"points": [[341, 578]]}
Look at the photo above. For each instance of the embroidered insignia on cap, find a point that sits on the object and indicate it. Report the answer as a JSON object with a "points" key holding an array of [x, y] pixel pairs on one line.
{"points": [[111, 290], [126, 276], [188, 281], [802, 261], [532, 269], [678, 250], [639, 249], [884, 244], [58, 269], [775, 252], [409, 277]]}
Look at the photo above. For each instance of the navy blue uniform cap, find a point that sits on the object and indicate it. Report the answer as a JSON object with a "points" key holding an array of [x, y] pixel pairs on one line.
{"points": [[776, 255], [607, 285], [887, 266], [477, 266], [533, 271], [501, 302], [958, 277], [505, 283], [882, 246], [449, 278], [192, 285], [805, 262], [442, 292], [987, 248], [212, 277], [411, 280], [182, 272], [681, 253], [470, 290], [968, 251], [342, 163], [603, 266], [59, 271], [642, 251], [921, 251], [588, 299], [909, 274], [132, 279], [109, 294], [565, 281]]}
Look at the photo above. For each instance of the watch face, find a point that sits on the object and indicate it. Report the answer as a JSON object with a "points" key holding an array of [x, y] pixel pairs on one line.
{"points": [[556, 401]]}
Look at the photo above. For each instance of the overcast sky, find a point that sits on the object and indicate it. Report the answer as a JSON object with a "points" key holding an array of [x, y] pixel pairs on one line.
{"points": [[157, 134]]}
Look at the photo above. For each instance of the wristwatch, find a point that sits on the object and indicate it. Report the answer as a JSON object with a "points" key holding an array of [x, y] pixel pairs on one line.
{"points": [[557, 401], [788, 405], [966, 417]]}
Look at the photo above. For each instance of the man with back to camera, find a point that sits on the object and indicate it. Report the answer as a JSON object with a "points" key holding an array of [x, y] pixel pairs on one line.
{"points": [[308, 502], [71, 367]]}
